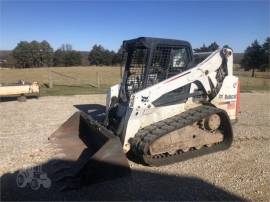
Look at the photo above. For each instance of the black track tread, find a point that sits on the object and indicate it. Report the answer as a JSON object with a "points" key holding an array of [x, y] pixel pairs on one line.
{"points": [[144, 137]]}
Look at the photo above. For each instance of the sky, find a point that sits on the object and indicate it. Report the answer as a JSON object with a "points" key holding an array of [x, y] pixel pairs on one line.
{"points": [[87, 22]]}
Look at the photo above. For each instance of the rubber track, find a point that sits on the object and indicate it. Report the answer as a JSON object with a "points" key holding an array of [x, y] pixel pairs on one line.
{"points": [[145, 136]]}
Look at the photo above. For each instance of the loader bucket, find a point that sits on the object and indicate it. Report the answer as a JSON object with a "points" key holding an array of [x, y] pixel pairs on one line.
{"points": [[92, 151]]}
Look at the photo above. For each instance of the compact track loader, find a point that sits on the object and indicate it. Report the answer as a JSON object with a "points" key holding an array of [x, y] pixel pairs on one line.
{"points": [[166, 109]]}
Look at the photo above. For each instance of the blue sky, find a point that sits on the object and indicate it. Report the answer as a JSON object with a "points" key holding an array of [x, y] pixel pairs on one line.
{"points": [[85, 23]]}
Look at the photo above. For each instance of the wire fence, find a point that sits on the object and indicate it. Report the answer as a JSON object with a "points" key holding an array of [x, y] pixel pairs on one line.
{"points": [[58, 78], [102, 77], [260, 81]]}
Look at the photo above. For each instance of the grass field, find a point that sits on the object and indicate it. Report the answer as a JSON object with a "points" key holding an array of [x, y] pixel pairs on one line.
{"points": [[254, 84], [261, 81], [92, 80], [66, 80]]}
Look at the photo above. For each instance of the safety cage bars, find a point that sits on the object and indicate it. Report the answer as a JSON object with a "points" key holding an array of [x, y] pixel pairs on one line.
{"points": [[165, 62]]}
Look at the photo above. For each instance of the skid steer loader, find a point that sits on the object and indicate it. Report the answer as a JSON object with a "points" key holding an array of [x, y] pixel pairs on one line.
{"points": [[166, 109]]}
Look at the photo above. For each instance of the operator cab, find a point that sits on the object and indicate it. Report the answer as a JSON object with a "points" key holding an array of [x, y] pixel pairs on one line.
{"points": [[149, 61]]}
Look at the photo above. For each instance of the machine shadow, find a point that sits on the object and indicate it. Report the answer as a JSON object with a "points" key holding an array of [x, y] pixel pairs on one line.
{"points": [[140, 185]]}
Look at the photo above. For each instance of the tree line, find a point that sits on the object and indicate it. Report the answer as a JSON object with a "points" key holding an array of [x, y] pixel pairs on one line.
{"points": [[212, 47], [256, 55], [33, 54], [41, 54]]}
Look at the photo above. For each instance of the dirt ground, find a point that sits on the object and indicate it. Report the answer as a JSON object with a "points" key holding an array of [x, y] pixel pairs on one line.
{"points": [[240, 173]]}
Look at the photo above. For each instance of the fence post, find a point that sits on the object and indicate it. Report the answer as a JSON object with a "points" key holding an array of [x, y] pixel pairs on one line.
{"points": [[264, 84], [50, 79], [121, 72], [98, 79]]}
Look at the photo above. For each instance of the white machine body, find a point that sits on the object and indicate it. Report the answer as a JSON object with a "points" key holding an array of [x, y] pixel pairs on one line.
{"points": [[143, 112]]}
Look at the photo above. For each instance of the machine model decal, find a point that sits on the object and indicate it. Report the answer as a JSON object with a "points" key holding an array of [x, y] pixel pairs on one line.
{"points": [[227, 97], [230, 97]]}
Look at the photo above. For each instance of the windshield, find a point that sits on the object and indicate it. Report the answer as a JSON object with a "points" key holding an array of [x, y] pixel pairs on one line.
{"points": [[135, 69], [164, 63]]}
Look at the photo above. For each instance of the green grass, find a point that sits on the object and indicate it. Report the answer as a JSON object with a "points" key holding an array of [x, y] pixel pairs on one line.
{"points": [[254, 84], [245, 88], [63, 75], [72, 90], [66, 80]]}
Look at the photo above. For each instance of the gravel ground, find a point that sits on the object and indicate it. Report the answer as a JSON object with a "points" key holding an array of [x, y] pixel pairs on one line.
{"points": [[240, 173]]}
